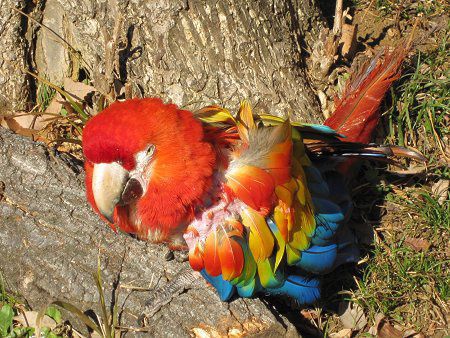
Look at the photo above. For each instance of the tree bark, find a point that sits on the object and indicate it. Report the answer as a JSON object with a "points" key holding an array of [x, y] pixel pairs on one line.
{"points": [[193, 53], [50, 240], [13, 58]]}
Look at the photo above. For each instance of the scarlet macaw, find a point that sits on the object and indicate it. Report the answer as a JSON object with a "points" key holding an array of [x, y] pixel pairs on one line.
{"points": [[260, 203]]}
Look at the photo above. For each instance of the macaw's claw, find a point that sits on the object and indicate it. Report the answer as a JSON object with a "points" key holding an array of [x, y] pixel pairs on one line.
{"points": [[159, 297], [179, 256]]}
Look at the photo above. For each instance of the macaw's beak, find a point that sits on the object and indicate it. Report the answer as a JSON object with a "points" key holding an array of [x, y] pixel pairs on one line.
{"points": [[111, 186]]}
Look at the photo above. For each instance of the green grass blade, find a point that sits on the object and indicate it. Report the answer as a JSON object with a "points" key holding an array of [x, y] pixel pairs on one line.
{"points": [[84, 117], [72, 309], [105, 316]]}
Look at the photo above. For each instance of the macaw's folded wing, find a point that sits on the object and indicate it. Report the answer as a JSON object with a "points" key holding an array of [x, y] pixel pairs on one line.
{"points": [[276, 209]]}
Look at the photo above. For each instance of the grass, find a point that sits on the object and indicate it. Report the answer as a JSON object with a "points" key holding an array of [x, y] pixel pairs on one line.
{"points": [[420, 104], [105, 324], [44, 96], [409, 8], [408, 284], [411, 285], [11, 306], [6, 297]]}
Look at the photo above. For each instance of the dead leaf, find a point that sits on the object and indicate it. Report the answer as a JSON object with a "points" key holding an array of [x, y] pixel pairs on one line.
{"points": [[22, 120], [386, 330], [418, 244], [28, 318], [440, 189], [344, 333], [14, 126], [374, 329], [309, 314], [410, 333], [26, 124], [55, 105], [352, 316], [78, 90]]}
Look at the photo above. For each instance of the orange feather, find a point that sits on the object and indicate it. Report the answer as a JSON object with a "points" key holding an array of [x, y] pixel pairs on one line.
{"points": [[211, 255], [196, 259], [253, 186], [231, 258]]}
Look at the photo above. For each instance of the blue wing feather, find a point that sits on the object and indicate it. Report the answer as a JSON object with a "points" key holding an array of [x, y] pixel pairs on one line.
{"points": [[304, 290], [224, 288]]}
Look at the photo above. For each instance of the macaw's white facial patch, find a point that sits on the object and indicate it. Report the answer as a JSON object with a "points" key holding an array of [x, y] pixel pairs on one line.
{"points": [[144, 164]]}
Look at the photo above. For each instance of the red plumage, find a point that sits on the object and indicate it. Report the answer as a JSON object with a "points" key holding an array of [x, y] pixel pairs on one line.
{"points": [[231, 257], [211, 257], [182, 170]]}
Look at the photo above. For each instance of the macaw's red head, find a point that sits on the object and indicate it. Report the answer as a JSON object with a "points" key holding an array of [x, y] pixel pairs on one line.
{"points": [[147, 166]]}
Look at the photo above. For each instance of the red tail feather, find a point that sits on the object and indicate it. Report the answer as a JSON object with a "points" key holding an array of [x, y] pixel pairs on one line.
{"points": [[357, 114]]}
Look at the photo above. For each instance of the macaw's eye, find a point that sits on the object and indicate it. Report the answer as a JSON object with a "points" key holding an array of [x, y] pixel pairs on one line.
{"points": [[150, 150]]}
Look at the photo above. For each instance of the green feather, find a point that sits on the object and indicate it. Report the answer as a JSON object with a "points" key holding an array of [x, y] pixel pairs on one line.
{"points": [[292, 255], [249, 269], [247, 290], [268, 277], [280, 243]]}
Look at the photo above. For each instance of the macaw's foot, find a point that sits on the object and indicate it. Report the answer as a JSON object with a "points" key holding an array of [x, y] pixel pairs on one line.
{"points": [[179, 256], [182, 281]]}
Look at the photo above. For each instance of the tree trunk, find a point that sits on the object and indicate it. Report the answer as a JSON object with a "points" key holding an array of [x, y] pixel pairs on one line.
{"points": [[50, 240], [15, 90], [193, 53]]}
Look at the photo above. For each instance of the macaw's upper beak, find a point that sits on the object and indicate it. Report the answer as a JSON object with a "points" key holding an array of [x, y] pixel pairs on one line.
{"points": [[111, 186]]}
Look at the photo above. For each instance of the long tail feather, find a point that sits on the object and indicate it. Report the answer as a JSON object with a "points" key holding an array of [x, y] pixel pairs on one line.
{"points": [[357, 112], [382, 153]]}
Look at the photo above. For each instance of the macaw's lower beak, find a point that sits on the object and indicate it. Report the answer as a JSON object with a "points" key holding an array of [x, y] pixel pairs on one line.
{"points": [[111, 186]]}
